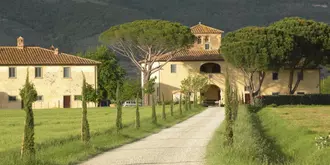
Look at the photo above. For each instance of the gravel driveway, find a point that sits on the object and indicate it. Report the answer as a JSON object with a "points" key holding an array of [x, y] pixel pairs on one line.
{"points": [[182, 144]]}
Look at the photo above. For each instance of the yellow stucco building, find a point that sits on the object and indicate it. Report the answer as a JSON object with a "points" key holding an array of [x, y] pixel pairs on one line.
{"points": [[204, 58], [57, 76]]}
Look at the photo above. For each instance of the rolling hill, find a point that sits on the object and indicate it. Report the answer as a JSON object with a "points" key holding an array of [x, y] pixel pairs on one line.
{"points": [[74, 25]]}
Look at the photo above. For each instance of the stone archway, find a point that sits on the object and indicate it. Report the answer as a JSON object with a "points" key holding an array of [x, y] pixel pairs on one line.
{"points": [[211, 95]]}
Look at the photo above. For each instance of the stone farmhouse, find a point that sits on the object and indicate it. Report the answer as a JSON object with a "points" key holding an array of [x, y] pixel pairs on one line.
{"points": [[204, 58], [57, 76]]}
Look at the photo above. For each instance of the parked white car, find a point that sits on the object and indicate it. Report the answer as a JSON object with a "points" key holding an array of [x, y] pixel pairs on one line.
{"points": [[130, 103]]}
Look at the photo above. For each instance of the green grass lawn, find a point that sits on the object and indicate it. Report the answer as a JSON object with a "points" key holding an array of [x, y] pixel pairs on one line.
{"points": [[283, 135], [57, 132]]}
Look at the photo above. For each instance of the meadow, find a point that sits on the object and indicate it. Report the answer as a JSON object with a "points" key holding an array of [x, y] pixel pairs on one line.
{"points": [[57, 132], [274, 135]]}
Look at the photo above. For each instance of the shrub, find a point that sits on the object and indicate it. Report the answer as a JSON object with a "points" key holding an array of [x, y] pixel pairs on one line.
{"points": [[308, 99]]}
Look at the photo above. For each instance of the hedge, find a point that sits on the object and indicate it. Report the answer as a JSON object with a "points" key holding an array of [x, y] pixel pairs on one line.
{"points": [[307, 99]]}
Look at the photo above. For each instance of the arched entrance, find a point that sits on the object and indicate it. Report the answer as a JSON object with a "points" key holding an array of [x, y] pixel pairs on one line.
{"points": [[210, 68], [211, 95]]}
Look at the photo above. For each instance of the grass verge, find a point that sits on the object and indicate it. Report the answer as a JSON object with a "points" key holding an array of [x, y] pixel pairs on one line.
{"points": [[70, 150], [251, 146]]}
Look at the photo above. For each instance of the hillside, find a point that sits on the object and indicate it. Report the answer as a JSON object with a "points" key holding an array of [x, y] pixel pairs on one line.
{"points": [[74, 25]]}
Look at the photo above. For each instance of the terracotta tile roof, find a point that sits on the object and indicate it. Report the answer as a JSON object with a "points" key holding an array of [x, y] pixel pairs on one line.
{"points": [[203, 29], [39, 56], [194, 55]]}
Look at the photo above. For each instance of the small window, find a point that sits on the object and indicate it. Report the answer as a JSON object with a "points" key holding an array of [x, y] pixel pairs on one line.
{"points": [[12, 72], [66, 72], [206, 39], [38, 72], [199, 40], [12, 98], [275, 76], [173, 68], [40, 98], [207, 46], [77, 97], [300, 76], [300, 93], [275, 93]]}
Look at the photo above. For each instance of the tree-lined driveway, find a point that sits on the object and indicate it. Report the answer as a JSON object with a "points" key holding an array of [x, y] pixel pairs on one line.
{"points": [[182, 144]]}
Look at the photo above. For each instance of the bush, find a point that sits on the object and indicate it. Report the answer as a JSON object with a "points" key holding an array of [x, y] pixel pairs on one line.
{"points": [[308, 99]]}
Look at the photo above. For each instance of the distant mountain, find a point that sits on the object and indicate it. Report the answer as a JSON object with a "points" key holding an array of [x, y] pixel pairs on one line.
{"points": [[74, 25]]}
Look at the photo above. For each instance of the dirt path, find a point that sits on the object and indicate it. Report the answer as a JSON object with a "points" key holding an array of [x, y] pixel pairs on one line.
{"points": [[182, 144]]}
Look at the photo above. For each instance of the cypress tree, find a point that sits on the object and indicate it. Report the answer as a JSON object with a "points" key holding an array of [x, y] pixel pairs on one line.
{"points": [[137, 113], [29, 95], [189, 102], [153, 109], [235, 104], [85, 134], [228, 112], [119, 124], [180, 104], [172, 106], [164, 113]]}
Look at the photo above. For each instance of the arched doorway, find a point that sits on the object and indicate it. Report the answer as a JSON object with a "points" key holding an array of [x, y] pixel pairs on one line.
{"points": [[211, 95], [210, 68]]}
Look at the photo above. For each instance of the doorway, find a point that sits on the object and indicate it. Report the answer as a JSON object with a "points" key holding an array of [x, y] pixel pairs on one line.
{"points": [[247, 98], [66, 101]]}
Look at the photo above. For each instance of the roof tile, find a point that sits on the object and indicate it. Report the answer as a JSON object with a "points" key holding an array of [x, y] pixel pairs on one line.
{"points": [[39, 56], [203, 29], [193, 55]]}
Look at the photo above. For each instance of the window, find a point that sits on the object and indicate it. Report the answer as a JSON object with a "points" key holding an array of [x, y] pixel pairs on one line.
{"points": [[12, 72], [77, 97], [173, 68], [246, 88], [207, 46], [206, 39], [12, 98], [300, 76], [66, 72], [275, 76], [275, 93], [38, 72], [40, 98], [199, 40], [300, 93]]}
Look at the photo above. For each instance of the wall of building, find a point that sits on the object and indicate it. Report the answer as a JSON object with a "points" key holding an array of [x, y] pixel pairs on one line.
{"points": [[52, 86], [169, 82], [214, 40]]}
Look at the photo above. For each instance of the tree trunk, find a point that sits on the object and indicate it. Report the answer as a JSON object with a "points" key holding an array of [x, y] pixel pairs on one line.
{"points": [[290, 81], [163, 112], [180, 104], [261, 80], [153, 109], [146, 96]]}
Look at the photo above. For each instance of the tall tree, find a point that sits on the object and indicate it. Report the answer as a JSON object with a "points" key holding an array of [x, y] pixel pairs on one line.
{"points": [[109, 71], [229, 139], [164, 107], [312, 46], [149, 88], [254, 50], [119, 122], [180, 104], [29, 95], [143, 41], [137, 114], [85, 134], [172, 106]]}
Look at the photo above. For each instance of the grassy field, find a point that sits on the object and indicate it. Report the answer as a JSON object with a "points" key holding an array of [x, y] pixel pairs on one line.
{"points": [[283, 135], [57, 132]]}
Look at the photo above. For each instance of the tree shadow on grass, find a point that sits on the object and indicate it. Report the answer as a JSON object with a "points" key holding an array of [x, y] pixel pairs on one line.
{"points": [[273, 153]]}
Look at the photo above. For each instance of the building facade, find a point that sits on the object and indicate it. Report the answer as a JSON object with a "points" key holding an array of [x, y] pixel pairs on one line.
{"points": [[57, 76], [204, 59]]}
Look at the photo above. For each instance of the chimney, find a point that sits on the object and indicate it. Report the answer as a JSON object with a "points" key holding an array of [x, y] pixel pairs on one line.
{"points": [[56, 51], [20, 42], [52, 47]]}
